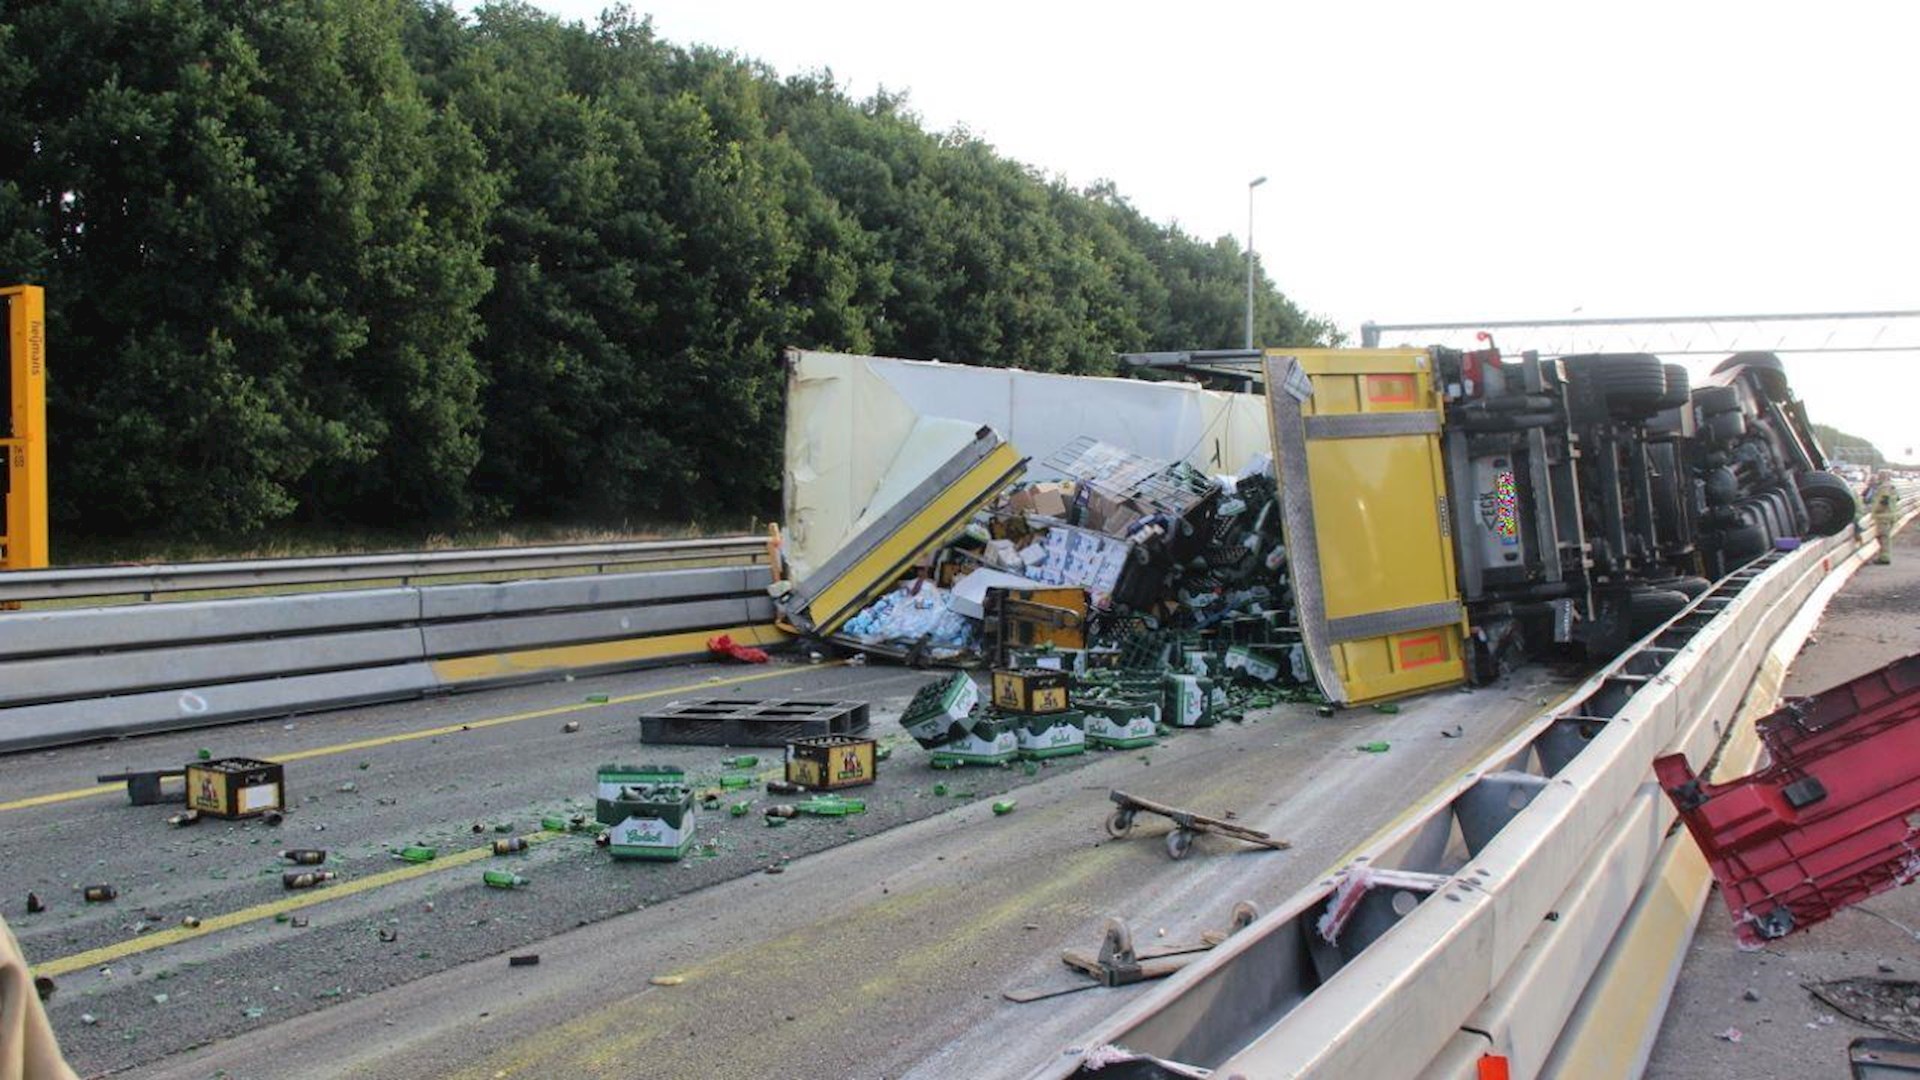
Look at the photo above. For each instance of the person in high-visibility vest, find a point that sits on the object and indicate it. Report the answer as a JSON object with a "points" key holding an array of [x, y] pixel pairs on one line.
{"points": [[28, 1050], [1884, 503]]}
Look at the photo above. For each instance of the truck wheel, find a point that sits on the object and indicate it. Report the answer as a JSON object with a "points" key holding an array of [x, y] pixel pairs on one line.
{"points": [[1831, 506], [1648, 608], [1678, 387], [1632, 383], [1714, 400], [1768, 371]]}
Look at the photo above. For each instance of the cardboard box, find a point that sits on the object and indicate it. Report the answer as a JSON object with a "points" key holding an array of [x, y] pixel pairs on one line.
{"points": [[1051, 499], [826, 762], [236, 787]]}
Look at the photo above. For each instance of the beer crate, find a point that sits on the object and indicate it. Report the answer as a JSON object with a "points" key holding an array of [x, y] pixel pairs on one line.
{"points": [[236, 787], [826, 762], [1031, 690]]}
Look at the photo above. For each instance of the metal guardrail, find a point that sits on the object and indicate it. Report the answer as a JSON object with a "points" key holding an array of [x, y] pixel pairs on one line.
{"points": [[1475, 924], [405, 567], [75, 674]]}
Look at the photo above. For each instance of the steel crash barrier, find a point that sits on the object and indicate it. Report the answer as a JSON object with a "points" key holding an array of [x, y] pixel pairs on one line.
{"points": [[1485, 922], [148, 581], [70, 675]]}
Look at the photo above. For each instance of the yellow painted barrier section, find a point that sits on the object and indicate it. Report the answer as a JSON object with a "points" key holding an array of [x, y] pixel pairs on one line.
{"points": [[597, 654], [23, 546]]}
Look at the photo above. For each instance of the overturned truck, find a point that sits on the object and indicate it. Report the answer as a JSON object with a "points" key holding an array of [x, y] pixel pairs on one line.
{"points": [[1426, 516]]}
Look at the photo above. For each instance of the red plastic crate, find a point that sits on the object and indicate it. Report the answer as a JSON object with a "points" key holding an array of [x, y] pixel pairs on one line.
{"points": [[1829, 821]]}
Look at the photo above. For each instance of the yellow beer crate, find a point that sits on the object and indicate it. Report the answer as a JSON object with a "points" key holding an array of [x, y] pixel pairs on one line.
{"points": [[825, 762], [236, 787], [1031, 690]]}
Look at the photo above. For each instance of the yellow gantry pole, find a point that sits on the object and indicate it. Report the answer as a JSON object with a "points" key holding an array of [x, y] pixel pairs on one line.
{"points": [[24, 545]]}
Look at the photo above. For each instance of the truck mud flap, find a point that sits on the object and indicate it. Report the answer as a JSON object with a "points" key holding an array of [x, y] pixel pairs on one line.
{"points": [[875, 558], [1357, 453]]}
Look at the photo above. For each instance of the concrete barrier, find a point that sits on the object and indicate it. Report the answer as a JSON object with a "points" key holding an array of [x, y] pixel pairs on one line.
{"points": [[74, 675]]}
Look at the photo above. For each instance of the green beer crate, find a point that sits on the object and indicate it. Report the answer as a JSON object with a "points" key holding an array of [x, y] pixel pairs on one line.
{"points": [[649, 811], [1118, 724], [1051, 735], [932, 714], [987, 738]]}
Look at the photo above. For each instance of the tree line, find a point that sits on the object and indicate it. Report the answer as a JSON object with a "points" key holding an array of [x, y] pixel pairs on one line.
{"points": [[379, 262]]}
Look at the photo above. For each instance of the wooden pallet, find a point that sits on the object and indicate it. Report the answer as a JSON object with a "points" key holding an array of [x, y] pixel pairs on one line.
{"points": [[750, 722]]}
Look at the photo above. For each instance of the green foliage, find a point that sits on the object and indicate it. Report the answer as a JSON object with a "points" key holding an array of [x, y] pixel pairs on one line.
{"points": [[377, 263], [1844, 447]]}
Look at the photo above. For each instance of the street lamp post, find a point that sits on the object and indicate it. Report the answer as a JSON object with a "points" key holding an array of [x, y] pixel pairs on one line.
{"points": [[1254, 183]]}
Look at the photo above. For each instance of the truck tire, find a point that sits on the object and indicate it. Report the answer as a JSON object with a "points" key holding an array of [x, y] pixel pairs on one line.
{"points": [[1632, 383], [1714, 400], [1678, 387], [1767, 369], [1648, 608], [1831, 506]]}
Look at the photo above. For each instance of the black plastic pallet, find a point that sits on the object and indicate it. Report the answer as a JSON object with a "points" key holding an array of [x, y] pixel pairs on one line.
{"points": [[749, 722]]}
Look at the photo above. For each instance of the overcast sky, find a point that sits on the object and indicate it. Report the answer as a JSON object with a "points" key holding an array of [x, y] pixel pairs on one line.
{"points": [[1448, 161]]}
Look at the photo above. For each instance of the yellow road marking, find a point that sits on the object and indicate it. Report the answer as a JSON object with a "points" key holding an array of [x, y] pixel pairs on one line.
{"points": [[148, 942], [429, 733]]}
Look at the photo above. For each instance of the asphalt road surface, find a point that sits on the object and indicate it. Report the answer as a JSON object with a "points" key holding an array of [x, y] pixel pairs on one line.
{"points": [[882, 943]]}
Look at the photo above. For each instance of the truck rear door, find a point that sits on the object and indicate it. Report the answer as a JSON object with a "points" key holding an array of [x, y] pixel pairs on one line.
{"points": [[1357, 453]]}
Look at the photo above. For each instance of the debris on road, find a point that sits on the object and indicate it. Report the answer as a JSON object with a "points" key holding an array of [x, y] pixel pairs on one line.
{"points": [[304, 856], [388, 934], [1888, 1004], [502, 879], [512, 845], [305, 879], [826, 762], [43, 986], [188, 817], [750, 721], [743, 761], [667, 980], [1732, 1035], [236, 787], [1004, 806], [35, 905], [524, 960], [1187, 825], [99, 894], [1375, 747], [783, 787], [725, 648], [571, 727], [1842, 780], [191, 922], [417, 853], [144, 785]]}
